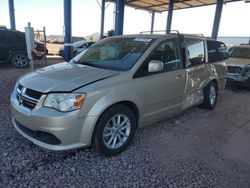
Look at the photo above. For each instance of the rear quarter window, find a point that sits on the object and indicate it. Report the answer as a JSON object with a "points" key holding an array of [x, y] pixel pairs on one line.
{"points": [[195, 51], [217, 51]]}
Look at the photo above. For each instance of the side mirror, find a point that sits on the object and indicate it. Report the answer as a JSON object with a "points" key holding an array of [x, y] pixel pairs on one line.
{"points": [[155, 66]]}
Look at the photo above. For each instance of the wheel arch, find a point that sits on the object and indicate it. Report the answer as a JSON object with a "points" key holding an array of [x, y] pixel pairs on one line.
{"points": [[131, 105]]}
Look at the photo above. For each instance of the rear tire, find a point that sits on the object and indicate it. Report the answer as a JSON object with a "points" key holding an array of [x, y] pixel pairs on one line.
{"points": [[19, 60], [210, 93], [114, 130]]}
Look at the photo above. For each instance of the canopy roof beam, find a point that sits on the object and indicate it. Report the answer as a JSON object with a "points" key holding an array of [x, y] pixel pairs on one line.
{"points": [[12, 15], [217, 18], [67, 30], [152, 22], [119, 17], [102, 18], [170, 15]]}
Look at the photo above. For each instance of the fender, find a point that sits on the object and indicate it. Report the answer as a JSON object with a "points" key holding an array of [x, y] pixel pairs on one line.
{"points": [[103, 104]]}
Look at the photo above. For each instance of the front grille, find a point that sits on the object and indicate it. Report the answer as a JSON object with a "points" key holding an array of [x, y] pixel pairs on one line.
{"points": [[234, 69], [27, 97], [39, 135]]}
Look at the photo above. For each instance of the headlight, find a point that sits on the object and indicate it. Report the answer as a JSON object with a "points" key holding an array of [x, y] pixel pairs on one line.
{"points": [[64, 101]]}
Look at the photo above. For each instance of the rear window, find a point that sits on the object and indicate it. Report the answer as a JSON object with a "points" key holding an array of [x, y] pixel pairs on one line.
{"points": [[217, 51], [195, 51], [12, 37]]}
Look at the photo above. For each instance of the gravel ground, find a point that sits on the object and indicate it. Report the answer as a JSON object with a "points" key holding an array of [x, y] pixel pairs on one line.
{"points": [[198, 148]]}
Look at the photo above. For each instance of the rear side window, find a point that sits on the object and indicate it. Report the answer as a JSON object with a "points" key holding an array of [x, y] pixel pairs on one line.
{"points": [[217, 51], [195, 51]]}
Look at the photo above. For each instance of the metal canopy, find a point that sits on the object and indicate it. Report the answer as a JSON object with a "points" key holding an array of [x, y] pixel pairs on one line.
{"points": [[162, 5]]}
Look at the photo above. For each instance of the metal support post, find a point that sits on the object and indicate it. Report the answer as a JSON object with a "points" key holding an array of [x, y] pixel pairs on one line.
{"points": [[102, 19], [67, 30], [170, 15], [119, 17], [12, 15], [152, 22], [217, 18], [45, 60]]}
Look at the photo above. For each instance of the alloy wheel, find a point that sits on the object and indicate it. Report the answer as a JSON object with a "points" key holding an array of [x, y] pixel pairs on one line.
{"points": [[116, 131], [19, 60], [212, 95]]}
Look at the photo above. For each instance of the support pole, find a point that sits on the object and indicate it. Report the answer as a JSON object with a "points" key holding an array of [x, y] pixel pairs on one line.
{"points": [[102, 19], [119, 17], [170, 15], [12, 15], [152, 22], [67, 30], [217, 18]]}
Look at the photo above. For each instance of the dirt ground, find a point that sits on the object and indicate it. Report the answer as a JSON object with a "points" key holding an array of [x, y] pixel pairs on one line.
{"points": [[198, 148], [220, 139]]}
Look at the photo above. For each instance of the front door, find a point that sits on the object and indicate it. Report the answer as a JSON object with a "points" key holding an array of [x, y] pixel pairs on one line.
{"points": [[164, 91]]}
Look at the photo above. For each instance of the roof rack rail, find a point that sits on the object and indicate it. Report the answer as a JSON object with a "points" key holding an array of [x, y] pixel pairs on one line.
{"points": [[170, 32], [160, 31], [194, 34]]}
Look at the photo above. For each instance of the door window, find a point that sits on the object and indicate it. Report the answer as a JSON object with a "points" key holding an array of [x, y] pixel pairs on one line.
{"points": [[195, 51], [168, 52]]}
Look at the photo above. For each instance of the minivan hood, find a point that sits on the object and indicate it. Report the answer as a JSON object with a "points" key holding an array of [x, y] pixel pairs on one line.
{"points": [[64, 77]]}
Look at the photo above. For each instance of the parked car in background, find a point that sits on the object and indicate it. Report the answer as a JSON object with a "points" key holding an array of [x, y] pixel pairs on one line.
{"points": [[78, 47], [238, 65], [13, 48], [84, 47], [119, 84]]}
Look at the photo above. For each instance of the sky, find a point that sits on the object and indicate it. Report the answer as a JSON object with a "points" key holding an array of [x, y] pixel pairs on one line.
{"points": [[86, 18]]}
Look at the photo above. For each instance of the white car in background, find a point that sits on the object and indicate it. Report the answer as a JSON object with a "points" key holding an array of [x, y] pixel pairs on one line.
{"points": [[238, 64], [78, 47]]}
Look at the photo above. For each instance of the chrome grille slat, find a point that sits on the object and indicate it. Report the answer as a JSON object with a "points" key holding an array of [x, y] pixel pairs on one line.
{"points": [[26, 100], [234, 69], [29, 98]]}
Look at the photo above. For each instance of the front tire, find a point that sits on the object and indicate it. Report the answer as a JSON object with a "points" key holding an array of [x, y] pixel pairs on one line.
{"points": [[19, 60], [114, 130], [210, 93]]}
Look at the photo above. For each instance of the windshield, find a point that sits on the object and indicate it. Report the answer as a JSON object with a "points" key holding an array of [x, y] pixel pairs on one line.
{"points": [[239, 52], [114, 53]]}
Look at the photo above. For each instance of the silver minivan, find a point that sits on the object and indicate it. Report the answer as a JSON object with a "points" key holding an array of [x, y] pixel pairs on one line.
{"points": [[121, 83]]}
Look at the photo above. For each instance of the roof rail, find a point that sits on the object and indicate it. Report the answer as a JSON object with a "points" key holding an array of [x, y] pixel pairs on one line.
{"points": [[160, 31], [170, 32]]}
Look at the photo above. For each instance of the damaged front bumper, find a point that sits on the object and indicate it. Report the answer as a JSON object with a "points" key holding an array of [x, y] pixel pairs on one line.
{"points": [[238, 74], [237, 77]]}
